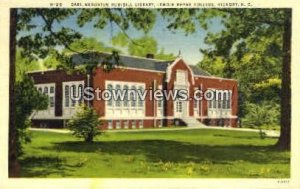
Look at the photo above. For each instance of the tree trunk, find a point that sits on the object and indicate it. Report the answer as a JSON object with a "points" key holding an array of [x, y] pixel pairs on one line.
{"points": [[284, 142], [13, 170]]}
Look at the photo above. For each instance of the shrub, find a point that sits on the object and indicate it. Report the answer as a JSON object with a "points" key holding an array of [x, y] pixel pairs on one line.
{"points": [[262, 116], [85, 123], [27, 100]]}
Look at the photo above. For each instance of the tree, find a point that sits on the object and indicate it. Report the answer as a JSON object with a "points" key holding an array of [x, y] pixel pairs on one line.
{"points": [[141, 46], [85, 123], [241, 25], [28, 99], [42, 42]]}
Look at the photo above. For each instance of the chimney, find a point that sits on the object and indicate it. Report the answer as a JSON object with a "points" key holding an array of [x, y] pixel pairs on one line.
{"points": [[150, 55]]}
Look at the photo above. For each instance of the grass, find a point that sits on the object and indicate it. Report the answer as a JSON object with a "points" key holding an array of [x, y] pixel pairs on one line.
{"points": [[199, 153]]}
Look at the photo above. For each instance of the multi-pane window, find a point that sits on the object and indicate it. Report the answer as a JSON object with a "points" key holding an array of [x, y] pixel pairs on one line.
{"points": [[73, 93], [45, 90], [73, 89], [118, 125], [52, 89], [125, 102], [220, 107], [125, 124], [110, 124], [51, 101], [118, 100], [67, 96], [141, 125], [228, 103], [178, 106], [140, 100], [80, 91], [159, 103], [49, 90], [214, 103], [195, 103], [110, 101], [133, 96], [133, 124], [126, 99]]}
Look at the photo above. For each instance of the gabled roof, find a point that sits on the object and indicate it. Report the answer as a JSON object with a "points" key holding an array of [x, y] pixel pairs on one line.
{"points": [[199, 71], [137, 62]]}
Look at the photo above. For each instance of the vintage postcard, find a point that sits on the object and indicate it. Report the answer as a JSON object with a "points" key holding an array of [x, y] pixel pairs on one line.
{"points": [[124, 94]]}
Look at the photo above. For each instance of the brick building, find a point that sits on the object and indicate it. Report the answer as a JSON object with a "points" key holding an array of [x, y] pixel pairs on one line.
{"points": [[138, 73]]}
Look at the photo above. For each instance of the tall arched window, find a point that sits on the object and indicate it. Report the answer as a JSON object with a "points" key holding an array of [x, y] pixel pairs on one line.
{"points": [[73, 89], [118, 91], [125, 102], [51, 89], [140, 100], [133, 96], [80, 91], [110, 88], [45, 90], [67, 96]]}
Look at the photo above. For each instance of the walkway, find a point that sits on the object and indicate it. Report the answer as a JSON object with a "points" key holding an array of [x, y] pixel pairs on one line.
{"points": [[269, 133]]}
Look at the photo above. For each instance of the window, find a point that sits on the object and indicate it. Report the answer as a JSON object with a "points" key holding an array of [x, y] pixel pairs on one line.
{"points": [[80, 91], [125, 123], [219, 104], [140, 102], [128, 102], [110, 102], [229, 104], [141, 125], [118, 100], [159, 103], [51, 89], [73, 89], [125, 102], [178, 106], [159, 123], [110, 124], [220, 108], [195, 104], [73, 93], [118, 125], [180, 77], [214, 103], [133, 124], [224, 104], [133, 96], [67, 97], [45, 90], [51, 99]]}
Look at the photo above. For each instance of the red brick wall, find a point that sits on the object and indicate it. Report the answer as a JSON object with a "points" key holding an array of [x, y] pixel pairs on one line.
{"points": [[57, 77], [216, 83], [180, 65], [147, 77], [129, 76]]}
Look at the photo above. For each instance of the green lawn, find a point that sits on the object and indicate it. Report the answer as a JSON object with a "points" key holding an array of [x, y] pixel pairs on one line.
{"points": [[183, 154]]}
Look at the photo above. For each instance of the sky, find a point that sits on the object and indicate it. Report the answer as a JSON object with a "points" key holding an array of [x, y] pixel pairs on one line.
{"points": [[172, 42]]}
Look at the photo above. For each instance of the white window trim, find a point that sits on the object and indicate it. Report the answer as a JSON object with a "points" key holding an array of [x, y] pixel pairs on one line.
{"points": [[69, 111], [219, 112], [133, 110], [48, 113]]}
